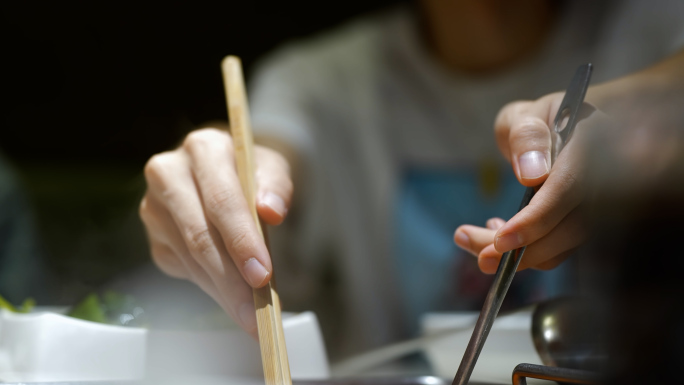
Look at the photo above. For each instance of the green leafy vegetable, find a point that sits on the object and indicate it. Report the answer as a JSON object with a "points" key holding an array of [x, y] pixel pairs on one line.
{"points": [[26, 307], [89, 309], [6, 305], [113, 308]]}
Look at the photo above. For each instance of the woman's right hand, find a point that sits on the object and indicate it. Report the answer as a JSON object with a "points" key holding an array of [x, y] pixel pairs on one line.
{"points": [[199, 224]]}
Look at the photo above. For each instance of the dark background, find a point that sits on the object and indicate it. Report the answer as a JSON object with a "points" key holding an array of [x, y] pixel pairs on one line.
{"points": [[112, 82], [93, 89]]}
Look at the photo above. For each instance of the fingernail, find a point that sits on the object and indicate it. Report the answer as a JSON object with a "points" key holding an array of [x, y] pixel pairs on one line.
{"points": [[507, 242], [275, 202], [462, 239], [489, 265], [495, 223], [533, 165], [255, 272], [247, 315]]}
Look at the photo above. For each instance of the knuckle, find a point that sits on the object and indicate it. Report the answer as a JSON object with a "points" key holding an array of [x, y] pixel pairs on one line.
{"points": [[531, 131], [200, 140], [534, 222], [566, 186], [200, 240], [167, 262], [542, 226], [507, 115], [530, 126], [146, 214], [194, 139], [221, 199], [160, 258], [520, 107], [552, 97], [240, 242], [144, 209], [513, 106], [156, 165]]}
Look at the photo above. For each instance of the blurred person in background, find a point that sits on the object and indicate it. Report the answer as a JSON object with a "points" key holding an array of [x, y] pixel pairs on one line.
{"points": [[383, 131]]}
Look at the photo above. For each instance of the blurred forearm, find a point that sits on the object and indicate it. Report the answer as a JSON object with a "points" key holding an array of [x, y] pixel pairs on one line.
{"points": [[658, 83]]}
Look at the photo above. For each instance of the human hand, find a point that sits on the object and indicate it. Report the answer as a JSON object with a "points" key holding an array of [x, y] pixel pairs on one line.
{"points": [[199, 224], [550, 226]]}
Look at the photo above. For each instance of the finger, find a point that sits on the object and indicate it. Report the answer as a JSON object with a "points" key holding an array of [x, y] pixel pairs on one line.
{"points": [[559, 195], [170, 253], [555, 261], [495, 223], [488, 260], [503, 123], [162, 230], [473, 238], [162, 255], [211, 160], [201, 246], [523, 135], [517, 112], [231, 286], [546, 253], [227, 287], [247, 322], [167, 261], [274, 185], [530, 146], [568, 235]]}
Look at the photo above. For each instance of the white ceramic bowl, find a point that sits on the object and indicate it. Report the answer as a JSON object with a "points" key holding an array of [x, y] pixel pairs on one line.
{"points": [[192, 354], [50, 347], [40, 347]]}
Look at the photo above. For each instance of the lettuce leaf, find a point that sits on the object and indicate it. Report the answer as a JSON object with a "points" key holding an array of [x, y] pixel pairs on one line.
{"points": [[25, 307]]}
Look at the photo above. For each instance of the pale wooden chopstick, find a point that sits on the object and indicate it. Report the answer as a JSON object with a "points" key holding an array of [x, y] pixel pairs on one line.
{"points": [[266, 300]]}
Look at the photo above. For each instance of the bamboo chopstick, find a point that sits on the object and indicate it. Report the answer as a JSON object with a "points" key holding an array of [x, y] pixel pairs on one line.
{"points": [[266, 300]]}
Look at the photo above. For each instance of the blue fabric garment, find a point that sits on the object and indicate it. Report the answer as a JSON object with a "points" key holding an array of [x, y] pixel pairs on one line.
{"points": [[430, 205]]}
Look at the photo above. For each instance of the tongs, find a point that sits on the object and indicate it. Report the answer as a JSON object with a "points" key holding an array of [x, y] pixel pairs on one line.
{"points": [[564, 124]]}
